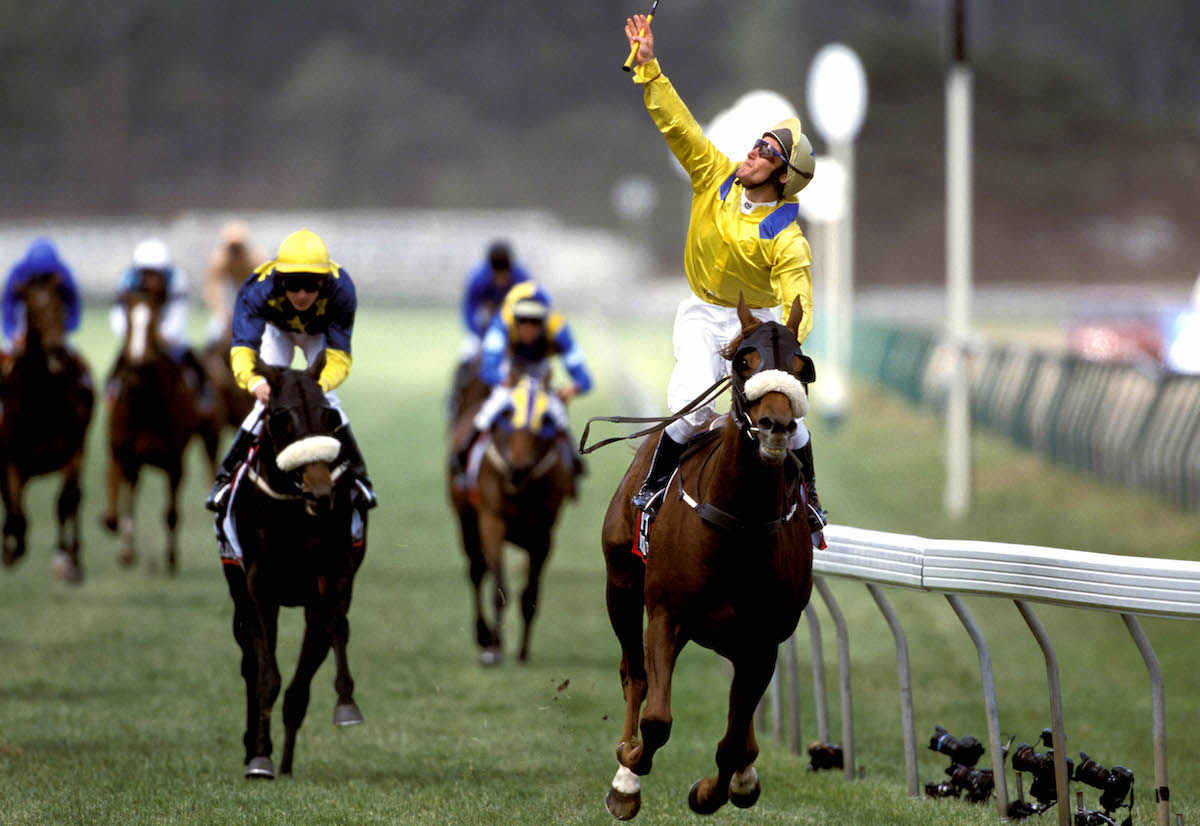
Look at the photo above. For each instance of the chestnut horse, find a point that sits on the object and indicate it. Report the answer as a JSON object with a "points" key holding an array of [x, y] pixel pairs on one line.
{"points": [[294, 538], [46, 396], [233, 402], [155, 411], [523, 478], [730, 566]]}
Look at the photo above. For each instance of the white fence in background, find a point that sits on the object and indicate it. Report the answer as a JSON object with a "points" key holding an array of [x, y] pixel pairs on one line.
{"points": [[1130, 586], [393, 254]]}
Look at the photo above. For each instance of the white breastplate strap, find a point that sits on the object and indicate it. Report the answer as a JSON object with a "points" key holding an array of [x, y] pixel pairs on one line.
{"points": [[263, 485]]}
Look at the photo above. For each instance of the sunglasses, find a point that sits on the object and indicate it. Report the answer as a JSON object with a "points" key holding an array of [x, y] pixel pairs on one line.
{"points": [[302, 284], [765, 150]]}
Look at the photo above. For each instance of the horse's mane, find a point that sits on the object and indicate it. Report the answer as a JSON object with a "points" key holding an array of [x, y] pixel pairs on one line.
{"points": [[730, 349]]}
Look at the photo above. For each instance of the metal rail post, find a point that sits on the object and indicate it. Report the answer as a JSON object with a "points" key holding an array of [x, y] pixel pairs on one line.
{"points": [[1158, 713], [1061, 781], [843, 638], [989, 701], [793, 668], [818, 671], [905, 679]]}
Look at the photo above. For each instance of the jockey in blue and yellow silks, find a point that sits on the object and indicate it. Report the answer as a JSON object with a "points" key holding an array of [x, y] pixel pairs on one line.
{"points": [[300, 299], [41, 260], [521, 339]]}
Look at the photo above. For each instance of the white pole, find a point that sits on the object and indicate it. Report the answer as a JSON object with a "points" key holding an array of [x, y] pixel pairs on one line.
{"points": [[958, 286], [843, 152]]}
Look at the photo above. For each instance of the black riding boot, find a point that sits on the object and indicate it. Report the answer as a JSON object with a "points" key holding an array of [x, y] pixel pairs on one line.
{"points": [[238, 451], [666, 459], [358, 467], [817, 518]]}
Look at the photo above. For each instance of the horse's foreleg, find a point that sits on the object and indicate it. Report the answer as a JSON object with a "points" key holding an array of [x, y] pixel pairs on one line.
{"points": [[468, 527], [346, 712], [663, 643], [244, 623], [313, 650], [174, 476], [15, 524], [492, 531], [67, 556], [267, 684], [112, 488], [538, 553], [736, 777], [624, 598]]}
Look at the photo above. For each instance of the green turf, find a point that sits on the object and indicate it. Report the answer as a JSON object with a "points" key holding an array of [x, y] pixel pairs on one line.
{"points": [[121, 702]]}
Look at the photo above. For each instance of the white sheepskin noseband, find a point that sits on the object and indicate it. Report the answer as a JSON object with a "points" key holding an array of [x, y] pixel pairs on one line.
{"points": [[768, 381], [307, 450]]}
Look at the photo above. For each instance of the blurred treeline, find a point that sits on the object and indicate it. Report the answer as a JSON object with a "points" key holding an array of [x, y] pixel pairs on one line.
{"points": [[1086, 114]]}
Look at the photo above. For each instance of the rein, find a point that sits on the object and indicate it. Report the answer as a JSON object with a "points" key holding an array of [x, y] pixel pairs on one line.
{"points": [[714, 390]]}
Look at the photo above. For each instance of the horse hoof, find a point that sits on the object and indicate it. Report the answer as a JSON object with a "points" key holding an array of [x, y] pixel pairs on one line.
{"points": [[702, 808], [109, 523], [260, 768], [623, 806], [127, 557], [346, 714], [491, 655], [744, 800], [66, 568]]}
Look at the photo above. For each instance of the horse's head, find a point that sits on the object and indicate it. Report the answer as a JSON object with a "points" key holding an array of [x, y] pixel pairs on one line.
{"points": [[769, 374], [45, 312], [523, 437], [300, 425], [142, 343]]}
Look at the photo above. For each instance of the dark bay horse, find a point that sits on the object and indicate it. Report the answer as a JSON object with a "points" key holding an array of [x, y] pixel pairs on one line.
{"points": [[47, 397], [294, 539], [523, 478], [730, 566], [155, 411]]}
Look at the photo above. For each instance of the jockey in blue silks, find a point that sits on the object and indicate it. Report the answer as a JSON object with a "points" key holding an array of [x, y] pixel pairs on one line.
{"points": [[486, 287], [300, 299], [41, 261], [521, 339]]}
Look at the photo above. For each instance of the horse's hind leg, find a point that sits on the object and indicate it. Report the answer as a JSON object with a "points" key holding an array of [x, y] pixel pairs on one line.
{"points": [[736, 778], [313, 651], [244, 621], [66, 558]]}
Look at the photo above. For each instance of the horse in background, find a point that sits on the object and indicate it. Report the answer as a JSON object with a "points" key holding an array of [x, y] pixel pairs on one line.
{"points": [[729, 566], [292, 536], [233, 402], [155, 410], [524, 474], [47, 397]]}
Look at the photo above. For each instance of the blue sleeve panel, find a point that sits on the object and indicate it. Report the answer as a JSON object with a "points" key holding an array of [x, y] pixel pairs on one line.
{"points": [[573, 360], [495, 348]]}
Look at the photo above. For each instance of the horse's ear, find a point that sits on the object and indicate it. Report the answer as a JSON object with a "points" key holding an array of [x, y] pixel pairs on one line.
{"points": [[268, 371], [318, 365], [743, 313], [795, 316]]}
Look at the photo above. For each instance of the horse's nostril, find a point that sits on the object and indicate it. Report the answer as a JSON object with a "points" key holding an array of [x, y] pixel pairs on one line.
{"points": [[791, 427]]}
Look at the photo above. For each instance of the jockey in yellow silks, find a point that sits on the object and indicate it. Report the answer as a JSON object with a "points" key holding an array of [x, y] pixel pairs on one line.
{"points": [[300, 299], [742, 239]]}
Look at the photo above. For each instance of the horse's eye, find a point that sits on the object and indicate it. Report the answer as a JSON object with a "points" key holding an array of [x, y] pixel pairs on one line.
{"points": [[747, 362]]}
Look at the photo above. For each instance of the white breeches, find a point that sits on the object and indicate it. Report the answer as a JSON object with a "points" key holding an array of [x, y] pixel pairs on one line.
{"points": [[277, 349], [172, 323], [701, 330]]}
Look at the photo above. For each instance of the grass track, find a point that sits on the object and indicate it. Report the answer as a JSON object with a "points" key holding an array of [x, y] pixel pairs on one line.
{"points": [[120, 701]]}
